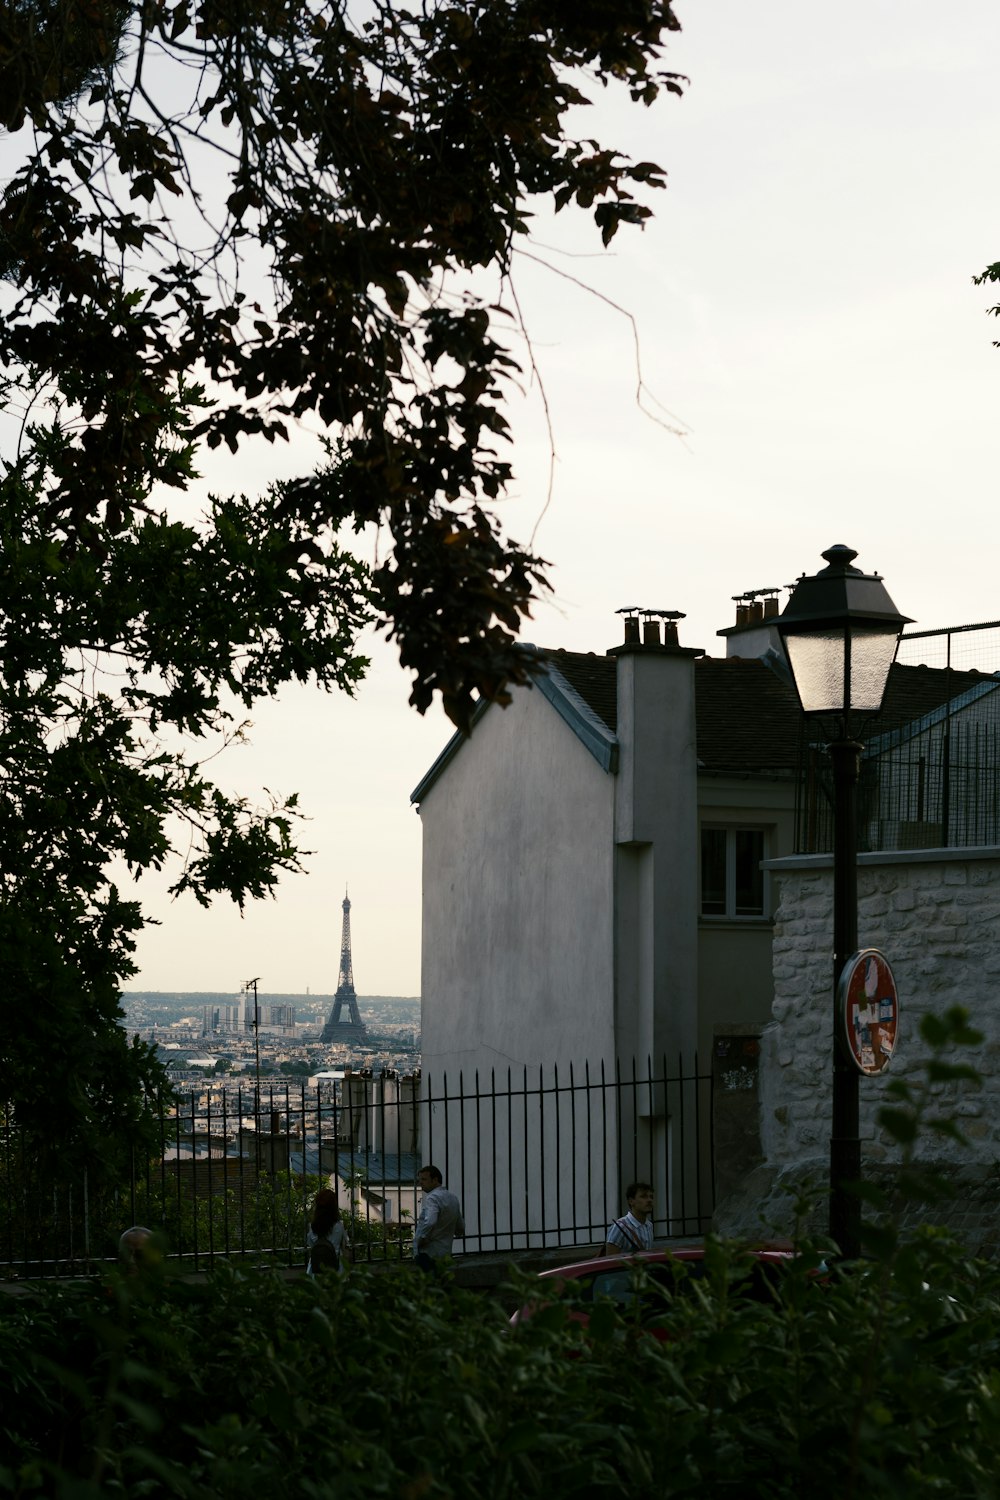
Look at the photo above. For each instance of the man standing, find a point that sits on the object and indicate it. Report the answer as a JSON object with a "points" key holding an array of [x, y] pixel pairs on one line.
{"points": [[439, 1222], [634, 1231]]}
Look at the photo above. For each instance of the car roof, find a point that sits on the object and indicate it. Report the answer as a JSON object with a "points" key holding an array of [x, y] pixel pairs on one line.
{"points": [[768, 1255]]}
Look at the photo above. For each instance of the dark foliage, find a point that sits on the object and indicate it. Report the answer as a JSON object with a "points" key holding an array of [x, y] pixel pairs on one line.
{"points": [[363, 160], [224, 219], [990, 275], [879, 1381]]}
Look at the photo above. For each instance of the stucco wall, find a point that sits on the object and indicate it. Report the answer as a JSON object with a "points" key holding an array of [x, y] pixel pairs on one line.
{"points": [[656, 829], [517, 879], [936, 916]]}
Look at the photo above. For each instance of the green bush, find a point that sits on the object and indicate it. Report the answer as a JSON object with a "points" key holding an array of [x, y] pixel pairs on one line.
{"points": [[359, 1386], [872, 1379], [867, 1382]]}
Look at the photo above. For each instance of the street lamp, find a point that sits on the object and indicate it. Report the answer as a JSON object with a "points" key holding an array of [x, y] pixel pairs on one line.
{"points": [[840, 631]]}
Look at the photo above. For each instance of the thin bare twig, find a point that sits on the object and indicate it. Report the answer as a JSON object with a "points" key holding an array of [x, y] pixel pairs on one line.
{"points": [[675, 426]]}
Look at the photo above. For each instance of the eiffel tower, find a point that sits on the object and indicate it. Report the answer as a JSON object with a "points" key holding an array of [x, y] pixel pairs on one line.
{"points": [[353, 1029]]}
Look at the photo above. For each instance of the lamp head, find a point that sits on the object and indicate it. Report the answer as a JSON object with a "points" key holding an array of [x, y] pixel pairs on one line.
{"points": [[840, 631]]}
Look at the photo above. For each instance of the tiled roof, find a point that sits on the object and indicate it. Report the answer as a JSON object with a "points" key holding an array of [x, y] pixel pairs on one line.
{"points": [[915, 691], [594, 679], [748, 718]]}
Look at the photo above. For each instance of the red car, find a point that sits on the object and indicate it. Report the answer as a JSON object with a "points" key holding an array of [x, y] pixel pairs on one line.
{"points": [[632, 1285]]}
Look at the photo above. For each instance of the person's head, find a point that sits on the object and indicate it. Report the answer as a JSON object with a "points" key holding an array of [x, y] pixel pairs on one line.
{"points": [[639, 1197], [429, 1178], [132, 1248], [326, 1211]]}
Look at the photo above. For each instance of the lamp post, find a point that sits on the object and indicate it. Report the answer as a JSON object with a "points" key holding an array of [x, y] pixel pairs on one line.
{"points": [[251, 984], [840, 631]]}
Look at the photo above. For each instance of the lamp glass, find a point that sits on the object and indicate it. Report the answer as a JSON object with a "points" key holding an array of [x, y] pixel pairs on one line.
{"points": [[817, 663], [872, 654], [830, 681]]}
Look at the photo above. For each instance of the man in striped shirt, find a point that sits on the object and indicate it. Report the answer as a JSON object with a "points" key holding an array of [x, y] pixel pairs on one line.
{"points": [[634, 1231]]}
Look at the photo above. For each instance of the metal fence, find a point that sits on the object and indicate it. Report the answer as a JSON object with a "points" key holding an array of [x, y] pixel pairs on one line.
{"points": [[930, 780], [539, 1159]]}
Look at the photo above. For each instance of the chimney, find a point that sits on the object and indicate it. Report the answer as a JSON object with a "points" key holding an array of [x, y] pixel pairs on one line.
{"points": [[655, 910], [754, 633], [650, 635]]}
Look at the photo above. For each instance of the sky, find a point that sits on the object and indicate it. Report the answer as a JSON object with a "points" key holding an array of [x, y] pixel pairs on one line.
{"points": [[817, 367]]}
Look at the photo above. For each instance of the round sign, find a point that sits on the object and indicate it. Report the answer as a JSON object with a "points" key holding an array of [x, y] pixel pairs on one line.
{"points": [[870, 1008]]}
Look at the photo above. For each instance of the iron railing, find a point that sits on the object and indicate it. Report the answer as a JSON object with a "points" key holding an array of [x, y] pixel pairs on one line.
{"points": [[539, 1158]]}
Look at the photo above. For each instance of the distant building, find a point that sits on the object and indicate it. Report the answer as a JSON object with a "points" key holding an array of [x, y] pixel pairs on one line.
{"points": [[281, 1018], [225, 1017]]}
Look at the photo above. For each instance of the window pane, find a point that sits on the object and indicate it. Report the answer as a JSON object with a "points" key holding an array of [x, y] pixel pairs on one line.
{"points": [[713, 872], [749, 875]]}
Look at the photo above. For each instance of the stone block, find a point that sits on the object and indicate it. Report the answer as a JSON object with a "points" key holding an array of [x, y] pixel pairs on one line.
{"points": [[939, 935], [971, 897], [816, 927]]}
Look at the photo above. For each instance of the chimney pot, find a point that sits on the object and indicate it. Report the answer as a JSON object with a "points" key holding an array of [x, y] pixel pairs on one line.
{"points": [[670, 633], [631, 631], [742, 611], [770, 607], [756, 613], [651, 633]]}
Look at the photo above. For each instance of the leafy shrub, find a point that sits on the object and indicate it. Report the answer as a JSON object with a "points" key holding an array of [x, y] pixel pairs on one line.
{"points": [[863, 1382], [875, 1379], [360, 1386]]}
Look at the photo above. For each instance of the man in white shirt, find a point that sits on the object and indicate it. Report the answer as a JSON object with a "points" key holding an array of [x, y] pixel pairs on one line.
{"points": [[439, 1222], [634, 1231]]}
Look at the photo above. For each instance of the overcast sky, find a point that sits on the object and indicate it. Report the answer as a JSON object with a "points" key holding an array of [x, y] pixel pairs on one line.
{"points": [[805, 311]]}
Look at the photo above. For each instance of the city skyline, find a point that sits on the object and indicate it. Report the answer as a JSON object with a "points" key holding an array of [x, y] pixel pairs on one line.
{"points": [[806, 316]]}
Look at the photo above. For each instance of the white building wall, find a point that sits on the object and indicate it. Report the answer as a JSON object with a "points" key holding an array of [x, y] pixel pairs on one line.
{"points": [[936, 916], [518, 899], [517, 973]]}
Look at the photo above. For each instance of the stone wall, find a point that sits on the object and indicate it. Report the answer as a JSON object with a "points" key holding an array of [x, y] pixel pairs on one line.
{"points": [[936, 916]]}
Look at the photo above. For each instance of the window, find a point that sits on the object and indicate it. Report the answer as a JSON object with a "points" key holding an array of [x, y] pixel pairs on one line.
{"points": [[732, 882]]}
